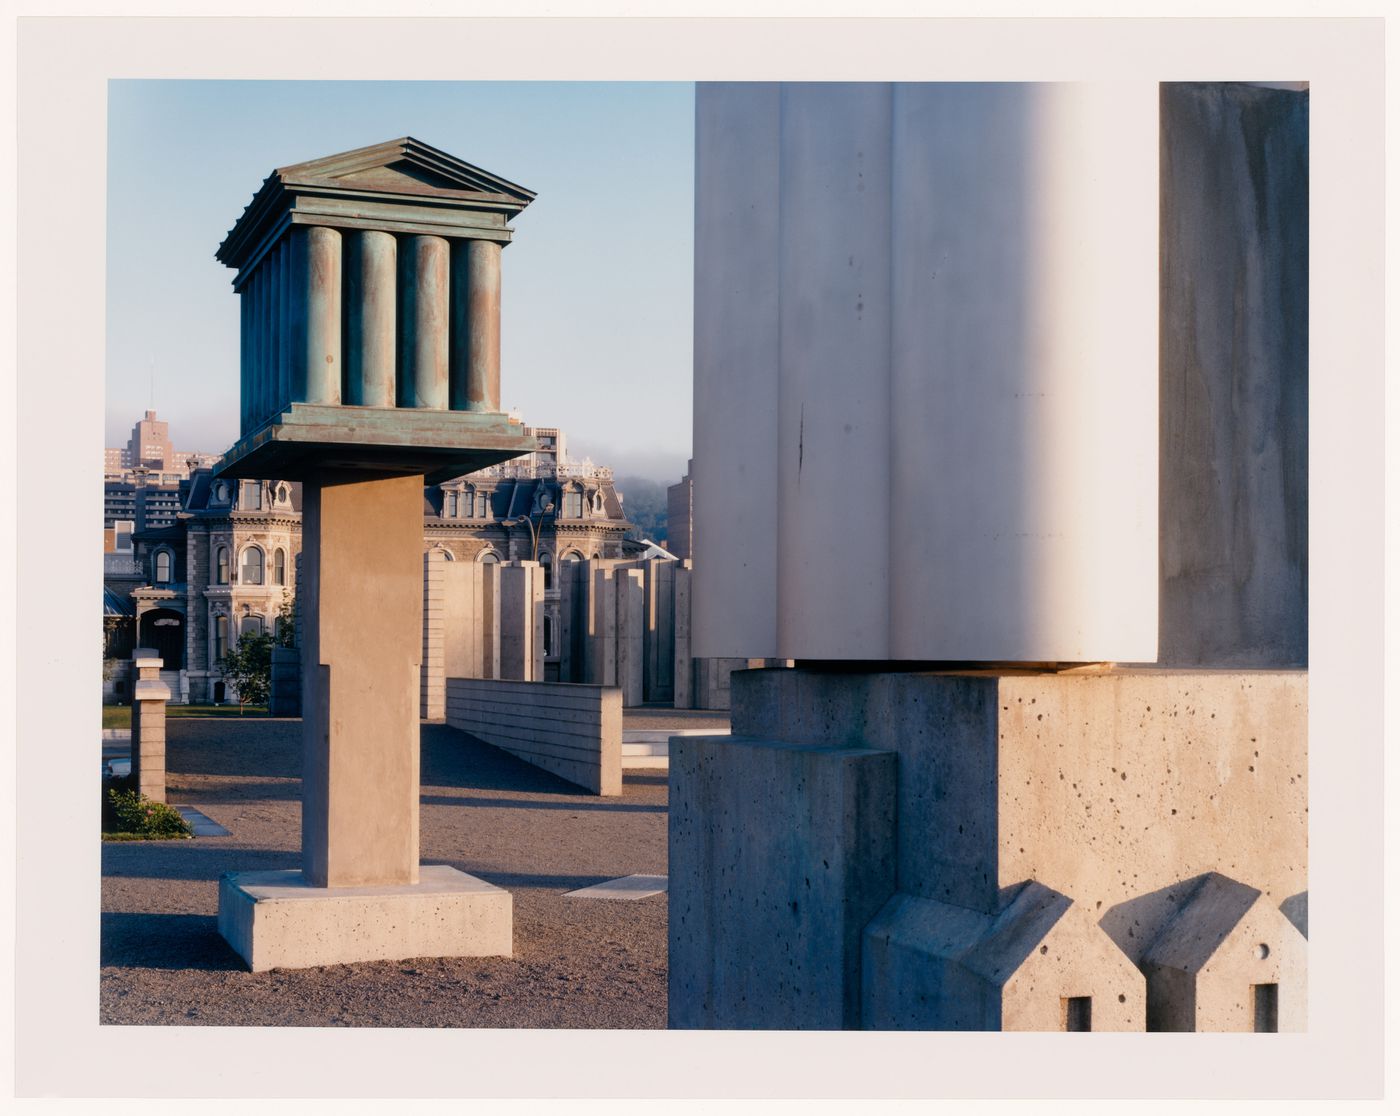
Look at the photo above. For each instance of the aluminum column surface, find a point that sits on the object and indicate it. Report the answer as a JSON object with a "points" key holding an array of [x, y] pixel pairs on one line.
{"points": [[926, 372], [423, 292], [476, 325], [371, 296]]}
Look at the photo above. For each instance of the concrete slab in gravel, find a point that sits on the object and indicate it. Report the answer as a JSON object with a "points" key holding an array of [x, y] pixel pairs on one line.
{"points": [[276, 920], [628, 887], [202, 824]]}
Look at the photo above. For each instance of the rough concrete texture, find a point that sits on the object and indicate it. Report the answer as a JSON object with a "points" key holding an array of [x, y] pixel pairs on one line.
{"points": [[1103, 786], [1205, 965], [936, 966], [1116, 787], [431, 693], [576, 964], [363, 542], [276, 920], [1234, 376], [779, 856], [1113, 788]]}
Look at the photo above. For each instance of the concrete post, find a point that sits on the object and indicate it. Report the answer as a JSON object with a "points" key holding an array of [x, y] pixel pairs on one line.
{"points": [[360, 685], [423, 291], [602, 624], [684, 674], [370, 309], [490, 619], [522, 621], [148, 697], [630, 596], [433, 699], [476, 325]]}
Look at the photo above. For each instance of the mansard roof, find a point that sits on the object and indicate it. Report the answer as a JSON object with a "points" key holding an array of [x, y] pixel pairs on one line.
{"points": [[401, 185]]}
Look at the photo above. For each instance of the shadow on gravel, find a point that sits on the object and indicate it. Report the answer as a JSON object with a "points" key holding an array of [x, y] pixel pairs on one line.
{"points": [[579, 802], [510, 880], [200, 859], [652, 779], [166, 941], [282, 791]]}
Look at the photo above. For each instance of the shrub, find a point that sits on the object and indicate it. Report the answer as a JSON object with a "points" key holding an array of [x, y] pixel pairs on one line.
{"points": [[127, 814]]}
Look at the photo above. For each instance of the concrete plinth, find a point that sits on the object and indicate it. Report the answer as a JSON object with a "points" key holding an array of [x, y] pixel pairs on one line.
{"points": [[779, 855], [278, 920]]}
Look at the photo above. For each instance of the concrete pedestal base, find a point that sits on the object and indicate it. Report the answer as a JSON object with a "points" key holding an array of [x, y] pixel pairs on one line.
{"points": [[276, 920]]}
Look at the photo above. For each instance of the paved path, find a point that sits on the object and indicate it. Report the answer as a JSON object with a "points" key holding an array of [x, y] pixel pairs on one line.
{"points": [[576, 963]]}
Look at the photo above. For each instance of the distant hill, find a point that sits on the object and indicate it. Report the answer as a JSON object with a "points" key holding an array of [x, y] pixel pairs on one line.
{"points": [[644, 503]]}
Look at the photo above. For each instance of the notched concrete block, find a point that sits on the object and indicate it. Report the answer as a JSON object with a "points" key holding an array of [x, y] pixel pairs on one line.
{"points": [[1229, 960], [1039, 964]]}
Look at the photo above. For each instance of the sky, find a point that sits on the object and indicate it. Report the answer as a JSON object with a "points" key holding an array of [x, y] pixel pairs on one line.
{"points": [[596, 285]]}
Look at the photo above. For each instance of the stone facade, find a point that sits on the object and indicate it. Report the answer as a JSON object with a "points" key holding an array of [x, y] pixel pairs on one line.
{"points": [[228, 563]]}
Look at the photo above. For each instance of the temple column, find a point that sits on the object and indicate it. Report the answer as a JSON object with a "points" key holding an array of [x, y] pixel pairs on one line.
{"points": [[370, 310], [424, 288], [321, 250], [476, 325]]}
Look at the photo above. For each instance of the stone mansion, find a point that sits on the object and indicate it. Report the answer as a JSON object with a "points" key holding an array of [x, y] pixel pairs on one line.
{"points": [[227, 563]]}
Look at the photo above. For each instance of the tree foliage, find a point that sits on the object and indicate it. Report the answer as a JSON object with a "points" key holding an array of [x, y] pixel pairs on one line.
{"points": [[644, 503], [249, 667]]}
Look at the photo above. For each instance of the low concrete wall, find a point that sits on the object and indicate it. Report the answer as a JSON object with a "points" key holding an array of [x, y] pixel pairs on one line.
{"points": [[569, 729]]}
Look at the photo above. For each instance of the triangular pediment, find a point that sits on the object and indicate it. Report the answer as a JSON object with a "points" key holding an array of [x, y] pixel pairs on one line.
{"points": [[406, 166]]}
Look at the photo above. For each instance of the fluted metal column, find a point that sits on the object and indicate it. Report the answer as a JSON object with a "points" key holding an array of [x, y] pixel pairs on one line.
{"points": [[322, 285], [283, 392], [423, 349], [476, 325], [370, 313]]}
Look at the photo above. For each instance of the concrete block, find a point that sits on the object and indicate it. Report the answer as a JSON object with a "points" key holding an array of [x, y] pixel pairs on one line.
{"points": [[684, 669], [1040, 964], [1228, 960], [629, 589], [779, 855], [276, 919], [1234, 376]]}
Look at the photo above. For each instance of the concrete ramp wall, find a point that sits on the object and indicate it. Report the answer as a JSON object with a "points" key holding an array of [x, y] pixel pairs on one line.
{"points": [[569, 729]]}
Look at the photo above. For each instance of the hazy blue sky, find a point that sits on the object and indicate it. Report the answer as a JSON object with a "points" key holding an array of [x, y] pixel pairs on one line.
{"points": [[596, 287]]}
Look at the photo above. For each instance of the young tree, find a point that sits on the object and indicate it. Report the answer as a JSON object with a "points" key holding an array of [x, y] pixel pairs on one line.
{"points": [[249, 667]]}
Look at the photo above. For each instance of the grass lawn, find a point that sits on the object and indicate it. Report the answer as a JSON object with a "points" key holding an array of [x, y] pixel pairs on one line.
{"points": [[119, 716]]}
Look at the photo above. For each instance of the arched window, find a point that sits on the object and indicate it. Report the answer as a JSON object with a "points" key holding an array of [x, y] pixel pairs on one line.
{"points": [[251, 625], [547, 564], [573, 505], [488, 557], [250, 571], [163, 566], [279, 567], [220, 637], [221, 566], [571, 556]]}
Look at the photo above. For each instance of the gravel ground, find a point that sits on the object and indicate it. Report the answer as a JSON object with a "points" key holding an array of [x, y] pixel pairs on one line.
{"points": [[577, 963]]}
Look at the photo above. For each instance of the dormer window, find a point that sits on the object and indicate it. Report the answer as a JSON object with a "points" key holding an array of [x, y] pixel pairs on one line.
{"points": [[163, 567], [481, 508], [449, 505], [573, 505], [598, 503], [252, 496]]}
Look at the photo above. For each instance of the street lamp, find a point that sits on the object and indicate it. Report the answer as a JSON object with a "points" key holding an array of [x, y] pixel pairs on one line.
{"points": [[545, 509]]}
